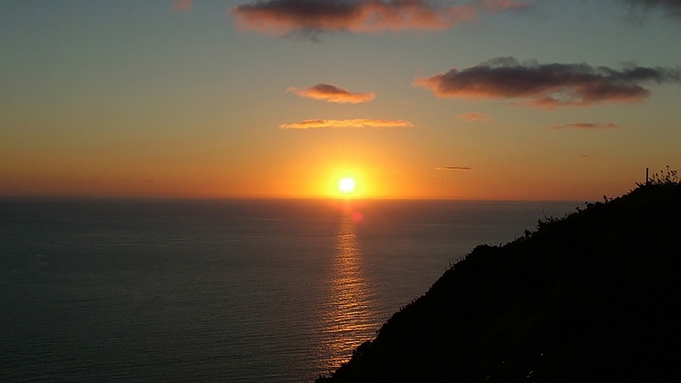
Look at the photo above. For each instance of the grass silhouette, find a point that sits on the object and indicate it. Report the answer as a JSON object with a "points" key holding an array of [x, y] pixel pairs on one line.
{"points": [[590, 297]]}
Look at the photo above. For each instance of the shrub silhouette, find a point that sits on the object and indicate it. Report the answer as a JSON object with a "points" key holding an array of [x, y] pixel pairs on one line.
{"points": [[590, 297]]}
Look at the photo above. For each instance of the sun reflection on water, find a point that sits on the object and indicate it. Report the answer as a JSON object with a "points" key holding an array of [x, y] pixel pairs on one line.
{"points": [[349, 318]]}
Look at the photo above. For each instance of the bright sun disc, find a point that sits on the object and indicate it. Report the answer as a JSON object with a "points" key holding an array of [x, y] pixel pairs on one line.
{"points": [[346, 185]]}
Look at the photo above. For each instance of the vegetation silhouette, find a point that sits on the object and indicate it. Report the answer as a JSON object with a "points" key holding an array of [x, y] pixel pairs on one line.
{"points": [[590, 297]]}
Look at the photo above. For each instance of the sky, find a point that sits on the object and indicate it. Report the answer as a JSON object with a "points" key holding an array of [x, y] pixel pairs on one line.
{"points": [[474, 100]]}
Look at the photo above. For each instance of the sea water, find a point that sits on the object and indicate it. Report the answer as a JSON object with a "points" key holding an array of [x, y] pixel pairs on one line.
{"points": [[221, 290]]}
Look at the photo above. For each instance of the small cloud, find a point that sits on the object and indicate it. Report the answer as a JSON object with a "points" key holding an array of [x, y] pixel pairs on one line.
{"points": [[454, 168], [472, 117], [547, 85], [585, 156], [586, 126], [183, 5], [498, 6], [311, 17], [669, 7], [331, 93], [350, 123]]}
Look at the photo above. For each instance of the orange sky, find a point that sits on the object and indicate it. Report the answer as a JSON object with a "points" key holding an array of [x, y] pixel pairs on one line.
{"points": [[510, 100]]}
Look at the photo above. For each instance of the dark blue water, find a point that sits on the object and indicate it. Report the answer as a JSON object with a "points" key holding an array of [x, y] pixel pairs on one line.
{"points": [[231, 291]]}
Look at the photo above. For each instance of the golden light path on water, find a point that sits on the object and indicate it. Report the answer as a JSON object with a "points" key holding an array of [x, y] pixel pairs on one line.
{"points": [[349, 318]]}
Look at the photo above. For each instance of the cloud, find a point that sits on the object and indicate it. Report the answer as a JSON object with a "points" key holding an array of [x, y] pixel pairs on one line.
{"points": [[669, 7], [586, 126], [498, 6], [311, 17], [547, 85], [183, 5], [331, 93], [351, 123], [471, 117], [454, 168]]}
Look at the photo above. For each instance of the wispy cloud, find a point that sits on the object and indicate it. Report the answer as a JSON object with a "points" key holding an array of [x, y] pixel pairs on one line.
{"points": [[183, 5], [350, 123], [547, 85], [498, 6], [311, 17], [472, 117], [454, 168], [669, 7], [586, 126], [331, 93]]}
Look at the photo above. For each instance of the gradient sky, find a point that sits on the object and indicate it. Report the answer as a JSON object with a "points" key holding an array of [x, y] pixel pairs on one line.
{"points": [[485, 99]]}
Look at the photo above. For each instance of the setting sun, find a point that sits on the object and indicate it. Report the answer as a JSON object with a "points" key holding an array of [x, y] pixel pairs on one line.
{"points": [[346, 185]]}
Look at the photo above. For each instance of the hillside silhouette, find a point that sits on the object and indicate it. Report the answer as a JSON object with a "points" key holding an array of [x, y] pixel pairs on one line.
{"points": [[590, 297]]}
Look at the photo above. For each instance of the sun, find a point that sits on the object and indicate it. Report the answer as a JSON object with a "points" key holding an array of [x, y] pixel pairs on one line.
{"points": [[346, 185]]}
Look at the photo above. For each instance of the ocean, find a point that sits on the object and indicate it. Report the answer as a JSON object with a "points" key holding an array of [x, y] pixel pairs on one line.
{"points": [[100, 290]]}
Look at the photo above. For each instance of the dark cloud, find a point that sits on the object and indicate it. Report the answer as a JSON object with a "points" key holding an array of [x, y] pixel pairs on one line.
{"points": [[586, 126], [456, 168], [548, 85], [332, 93], [497, 6], [282, 17], [670, 7]]}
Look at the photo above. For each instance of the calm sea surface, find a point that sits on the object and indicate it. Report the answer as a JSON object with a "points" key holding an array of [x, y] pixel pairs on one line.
{"points": [[221, 291]]}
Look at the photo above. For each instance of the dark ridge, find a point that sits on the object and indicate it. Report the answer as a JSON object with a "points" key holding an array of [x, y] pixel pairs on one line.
{"points": [[591, 297]]}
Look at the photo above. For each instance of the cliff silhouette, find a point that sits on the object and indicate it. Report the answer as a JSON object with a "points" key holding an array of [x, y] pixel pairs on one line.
{"points": [[590, 297]]}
